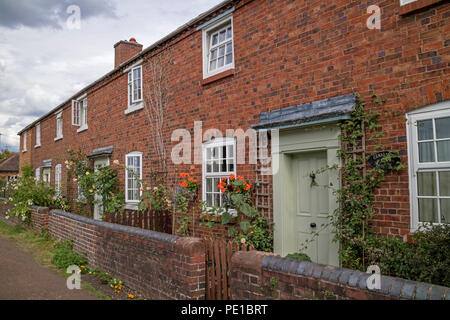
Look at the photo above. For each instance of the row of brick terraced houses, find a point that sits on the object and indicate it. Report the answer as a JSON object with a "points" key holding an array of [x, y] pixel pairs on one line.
{"points": [[287, 65]]}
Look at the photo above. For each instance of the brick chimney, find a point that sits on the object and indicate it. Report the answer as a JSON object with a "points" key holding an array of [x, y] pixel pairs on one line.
{"points": [[124, 50]]}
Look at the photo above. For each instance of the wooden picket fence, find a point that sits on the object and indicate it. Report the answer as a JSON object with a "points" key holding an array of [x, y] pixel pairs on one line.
{"points": [[218, 267], [156, 220]]}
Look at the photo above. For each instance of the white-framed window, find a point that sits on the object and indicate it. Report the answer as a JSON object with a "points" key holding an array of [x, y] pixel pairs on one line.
{"points": [[38, 135], [218, 47], [24, 139], [403, 2], [133, 174], [429, 163], [38, 174], [46, 172], [134, 80], [79, 113], [59, 126], [58, 172], [219, 161]]}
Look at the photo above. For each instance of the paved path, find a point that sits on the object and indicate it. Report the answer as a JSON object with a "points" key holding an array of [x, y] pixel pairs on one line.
{"points": [[22, 278]]}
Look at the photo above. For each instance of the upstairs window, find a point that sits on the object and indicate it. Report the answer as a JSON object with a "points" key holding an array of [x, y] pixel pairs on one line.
{"points": [[218, 47], [38, 135], [429, 147], [135, 85], [79, 113], [59, 126], [24, 139], [219, 161], [133, 175]]}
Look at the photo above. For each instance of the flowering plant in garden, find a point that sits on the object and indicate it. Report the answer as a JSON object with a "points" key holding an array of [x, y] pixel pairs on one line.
{"points": [[185, 195], [249, 225], [26, 191]]}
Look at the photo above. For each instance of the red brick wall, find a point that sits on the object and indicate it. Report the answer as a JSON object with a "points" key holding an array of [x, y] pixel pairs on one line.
{"points": [[258, 276], [286, 53], [157, 265]]}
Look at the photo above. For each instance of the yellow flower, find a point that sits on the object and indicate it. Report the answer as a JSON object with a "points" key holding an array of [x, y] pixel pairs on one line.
{"points": [[87, 173], [131, 296], [91, 190]]}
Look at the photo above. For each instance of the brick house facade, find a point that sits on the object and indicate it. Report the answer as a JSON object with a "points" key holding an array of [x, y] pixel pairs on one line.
{"points": [[284, 54]]}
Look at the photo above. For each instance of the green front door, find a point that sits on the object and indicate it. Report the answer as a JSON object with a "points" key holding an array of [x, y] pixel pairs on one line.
{"points": [[312, 207]]}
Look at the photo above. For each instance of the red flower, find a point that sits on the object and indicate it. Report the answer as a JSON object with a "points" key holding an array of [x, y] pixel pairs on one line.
{"points": [[232, 177], [184, 184]]}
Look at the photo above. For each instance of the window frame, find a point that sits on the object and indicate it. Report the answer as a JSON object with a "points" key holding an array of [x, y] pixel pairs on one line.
{"points": [[134, 104], [218, 142], [37, 174], [38, 135], [24, 138], [207, 33], [441, 110], [129, 155], [59, 130]]}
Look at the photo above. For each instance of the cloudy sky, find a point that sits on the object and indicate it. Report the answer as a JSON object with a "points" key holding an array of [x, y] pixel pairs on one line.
{"points": [[45, 58]]}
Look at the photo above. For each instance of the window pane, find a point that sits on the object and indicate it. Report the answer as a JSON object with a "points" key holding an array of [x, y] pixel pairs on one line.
{"points": [[208, 167], [209, 183], [214, 39], [221, 51], [231, 167], [443, 150], [209, 199], [220, 62], [229, 59], [444, 183], [426, 152], [425, 129], [223, 165], [214, 54], [212, 65], [428, 210], [229, 47], [445, 210], [222, 36], [426, 183], [230, 151], [443, 128], [215, 166], [229, 33]]}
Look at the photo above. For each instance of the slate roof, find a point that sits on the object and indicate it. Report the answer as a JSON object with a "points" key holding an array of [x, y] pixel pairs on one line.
{"points": [[10, 164], [331, 108]]}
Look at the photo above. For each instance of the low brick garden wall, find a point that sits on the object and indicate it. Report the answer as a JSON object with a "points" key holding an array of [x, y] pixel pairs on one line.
{"points": [[156, 265], [258, 276]]}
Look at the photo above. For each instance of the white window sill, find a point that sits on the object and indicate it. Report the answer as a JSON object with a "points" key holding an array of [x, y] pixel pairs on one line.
{"points": [[218, 71], [24, 150], [58, 138], [134, 107], [132, 206], [83, 128], [37, 146]]}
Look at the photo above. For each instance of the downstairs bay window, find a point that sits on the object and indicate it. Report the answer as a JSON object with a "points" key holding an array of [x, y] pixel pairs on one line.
{"points": [[429, 162]]}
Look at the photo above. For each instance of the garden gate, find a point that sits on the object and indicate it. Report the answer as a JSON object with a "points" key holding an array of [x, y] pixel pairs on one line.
{"points": [[218, 267]]}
